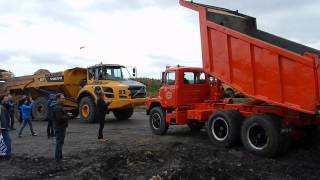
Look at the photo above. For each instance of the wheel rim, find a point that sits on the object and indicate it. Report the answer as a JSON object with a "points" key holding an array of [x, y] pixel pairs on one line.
{"points": [[156, 120], [85, 111], [40, 109], [220, 129], [257, 137]]}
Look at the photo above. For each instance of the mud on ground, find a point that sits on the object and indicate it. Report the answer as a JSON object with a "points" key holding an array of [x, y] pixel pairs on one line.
{"points": [[134, 153]]}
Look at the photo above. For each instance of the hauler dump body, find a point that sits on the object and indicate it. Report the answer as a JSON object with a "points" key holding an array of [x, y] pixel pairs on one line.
{"points": [[78, 85], [280, 76]]}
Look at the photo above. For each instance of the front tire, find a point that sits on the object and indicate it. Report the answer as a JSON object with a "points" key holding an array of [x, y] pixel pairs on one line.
{"points": [[157, 121], [88, 110], [40, 109], [224, 128], [123, 114]]}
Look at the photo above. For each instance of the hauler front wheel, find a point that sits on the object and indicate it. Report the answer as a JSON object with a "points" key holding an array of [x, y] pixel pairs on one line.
{"points": [[87, 109]]}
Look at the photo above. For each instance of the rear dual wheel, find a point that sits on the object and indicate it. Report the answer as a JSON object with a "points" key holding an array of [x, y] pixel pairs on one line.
{"points": [[224, 127], [260, 134]]}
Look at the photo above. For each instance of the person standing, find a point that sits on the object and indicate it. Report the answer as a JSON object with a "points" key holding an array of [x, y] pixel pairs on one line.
{"points": [[60, 124], [4, 124], [20, 103], [11, 111], [102, 108], [50, 106], [26, 110]]}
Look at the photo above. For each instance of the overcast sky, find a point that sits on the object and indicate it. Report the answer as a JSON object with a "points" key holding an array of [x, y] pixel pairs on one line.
{"points": [[148, 34]]}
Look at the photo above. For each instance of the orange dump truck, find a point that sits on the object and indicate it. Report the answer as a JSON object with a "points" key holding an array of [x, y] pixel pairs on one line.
{"points": [[281, 76]]}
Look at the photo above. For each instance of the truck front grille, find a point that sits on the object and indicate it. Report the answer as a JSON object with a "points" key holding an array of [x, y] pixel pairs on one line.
{"points": [[138, 92]]}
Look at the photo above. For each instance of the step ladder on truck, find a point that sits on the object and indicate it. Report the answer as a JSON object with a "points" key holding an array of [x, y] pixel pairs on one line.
{"points": [[280, 76]]}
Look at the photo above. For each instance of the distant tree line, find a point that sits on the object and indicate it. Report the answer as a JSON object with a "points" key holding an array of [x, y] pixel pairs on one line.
{"points": [[152, 85]]}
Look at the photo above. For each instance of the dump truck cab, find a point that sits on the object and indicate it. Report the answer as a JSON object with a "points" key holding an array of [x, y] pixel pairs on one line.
{"points": [[182, 86], [115, 81]]}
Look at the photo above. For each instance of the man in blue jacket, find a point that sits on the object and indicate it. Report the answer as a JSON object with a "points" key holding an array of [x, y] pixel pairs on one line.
{"points": [[26, 110], [4, 124]]}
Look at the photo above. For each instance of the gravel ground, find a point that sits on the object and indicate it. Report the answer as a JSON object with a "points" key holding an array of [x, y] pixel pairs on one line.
{"points": [[133, 152]]}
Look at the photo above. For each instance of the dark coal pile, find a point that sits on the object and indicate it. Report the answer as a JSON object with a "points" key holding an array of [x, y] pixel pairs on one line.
{"points": [[168, 161]]}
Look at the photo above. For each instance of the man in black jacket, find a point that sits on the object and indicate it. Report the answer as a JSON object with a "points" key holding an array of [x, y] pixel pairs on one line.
{"points": [[60, 124], [102, 108], [5, 124]]}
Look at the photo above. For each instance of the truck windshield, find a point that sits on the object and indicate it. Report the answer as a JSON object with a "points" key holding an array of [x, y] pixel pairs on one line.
{"points": [[116, 73]]}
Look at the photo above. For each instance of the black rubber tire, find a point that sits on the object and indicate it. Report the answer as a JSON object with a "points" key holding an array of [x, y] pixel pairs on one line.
{"points": [[277, 143], [232, 119], [195, 126], [123, 114], [229, 93], [75, 113], [89, 102], [160, 128], [40, 109]]}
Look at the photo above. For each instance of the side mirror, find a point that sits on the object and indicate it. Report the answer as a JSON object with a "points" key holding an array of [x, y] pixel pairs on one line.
{"points": [[163, 78], [134, 72]]}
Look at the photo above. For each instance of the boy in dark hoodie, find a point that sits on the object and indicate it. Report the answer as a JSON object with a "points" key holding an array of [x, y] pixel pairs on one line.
{"points": [[51, 103]]}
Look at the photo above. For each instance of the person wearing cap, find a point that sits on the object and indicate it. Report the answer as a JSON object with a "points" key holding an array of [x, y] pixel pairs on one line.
{"points": [[50, 105], [102, 109]]}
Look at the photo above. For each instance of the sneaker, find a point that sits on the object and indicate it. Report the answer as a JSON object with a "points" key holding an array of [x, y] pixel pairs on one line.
{"points": [[20, 136], [13, 128], [34, 134], [103, 140]]}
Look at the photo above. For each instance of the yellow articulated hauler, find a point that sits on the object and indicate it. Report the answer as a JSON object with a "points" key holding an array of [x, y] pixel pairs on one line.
{"points": [[78, 86]]}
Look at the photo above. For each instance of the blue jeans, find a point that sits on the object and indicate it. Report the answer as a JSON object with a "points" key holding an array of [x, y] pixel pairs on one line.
{"points": [[23, 125], [7, 141], [60, 135]]}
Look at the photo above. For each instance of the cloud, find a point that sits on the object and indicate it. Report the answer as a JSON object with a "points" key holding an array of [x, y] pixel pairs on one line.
{"points": [[147, 34], [112, 5]]}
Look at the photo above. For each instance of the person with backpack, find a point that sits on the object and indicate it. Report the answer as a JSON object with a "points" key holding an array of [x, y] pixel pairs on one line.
{"points": [[26, 110], [5, 124], [60, 124]]}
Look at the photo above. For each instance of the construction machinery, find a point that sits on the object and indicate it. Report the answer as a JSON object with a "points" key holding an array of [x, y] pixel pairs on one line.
{"points": [[4, 76], [280, 77], [78, 84]]}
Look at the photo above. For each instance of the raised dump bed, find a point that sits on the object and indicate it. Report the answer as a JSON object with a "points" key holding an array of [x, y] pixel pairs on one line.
{"points": [[258, 64], [66, 82]]}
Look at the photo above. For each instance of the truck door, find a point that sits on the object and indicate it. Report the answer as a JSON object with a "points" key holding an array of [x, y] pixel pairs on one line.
{"points": [[193, 89], [169, 90]]}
